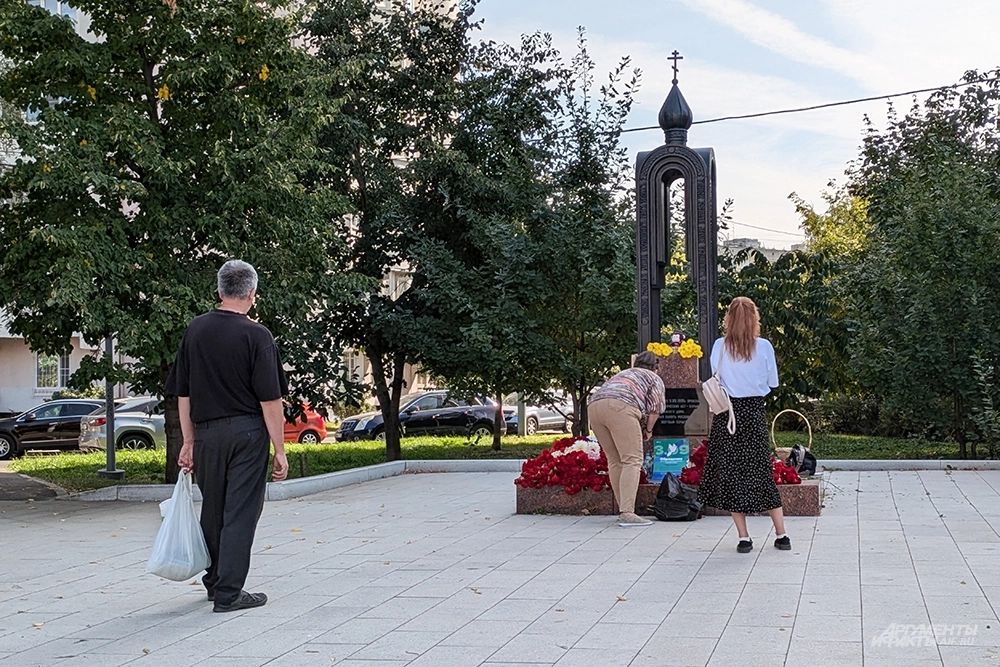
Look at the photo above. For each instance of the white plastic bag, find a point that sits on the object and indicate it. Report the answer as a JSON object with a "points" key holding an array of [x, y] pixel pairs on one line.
{"points": [[179, 551]]}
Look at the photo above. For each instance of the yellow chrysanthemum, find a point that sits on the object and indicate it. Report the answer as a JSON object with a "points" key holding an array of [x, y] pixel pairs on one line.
{"points": [[46, 168], [241, 40], [92, 92], [263, 73], [163, 93], [689, 349], [660, 349], [83, 142]]}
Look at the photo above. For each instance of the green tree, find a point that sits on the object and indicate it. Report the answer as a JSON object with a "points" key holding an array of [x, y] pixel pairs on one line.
{"points": [[802, 311], [927, 281], [171, 142], [589, 298], [801, 314], [482, 287], [394, 73], [839, 232]]}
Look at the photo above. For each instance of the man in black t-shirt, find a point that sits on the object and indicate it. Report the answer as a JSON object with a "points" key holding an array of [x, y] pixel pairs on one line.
{"points": [[229, 381]]}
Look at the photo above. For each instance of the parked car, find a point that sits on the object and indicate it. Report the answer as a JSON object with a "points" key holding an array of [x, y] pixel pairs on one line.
{"points": [[554, 416], [52, 425], [427, 413], [307, 427], [139, 424]]}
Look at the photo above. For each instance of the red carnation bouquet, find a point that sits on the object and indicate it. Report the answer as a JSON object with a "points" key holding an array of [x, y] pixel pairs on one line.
{"points": [[783, 473], [574, 463]]}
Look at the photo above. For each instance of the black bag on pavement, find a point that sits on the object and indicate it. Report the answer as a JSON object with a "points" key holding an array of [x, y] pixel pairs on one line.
{"points": [[676, 501]]}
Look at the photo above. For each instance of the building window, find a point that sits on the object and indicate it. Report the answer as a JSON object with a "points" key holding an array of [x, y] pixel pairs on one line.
{"points": [[354, 361], [397, 282], [56, 7], [51, 371]]}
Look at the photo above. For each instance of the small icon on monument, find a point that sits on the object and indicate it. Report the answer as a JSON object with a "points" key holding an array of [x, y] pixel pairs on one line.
{"points": [[676, 338]]}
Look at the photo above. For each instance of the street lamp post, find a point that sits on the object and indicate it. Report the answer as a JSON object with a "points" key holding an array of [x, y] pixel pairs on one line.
{"points": [[111, 471]]}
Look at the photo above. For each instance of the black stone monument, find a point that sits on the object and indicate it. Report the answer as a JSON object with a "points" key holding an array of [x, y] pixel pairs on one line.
{"points": [[656, 170]]}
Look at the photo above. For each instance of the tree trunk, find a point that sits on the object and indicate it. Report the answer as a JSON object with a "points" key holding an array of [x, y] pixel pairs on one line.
{"points": [[174, 437], [959, 430], [498, 422], [577, 412], [395, 451], [388, 395], [584, 417]]}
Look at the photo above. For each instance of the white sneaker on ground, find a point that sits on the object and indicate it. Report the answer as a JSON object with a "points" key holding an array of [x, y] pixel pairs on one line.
{"points": [[628, 519]]}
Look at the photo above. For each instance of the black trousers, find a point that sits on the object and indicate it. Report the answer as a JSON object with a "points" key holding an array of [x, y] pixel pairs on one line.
{"points": [[230, 463]]}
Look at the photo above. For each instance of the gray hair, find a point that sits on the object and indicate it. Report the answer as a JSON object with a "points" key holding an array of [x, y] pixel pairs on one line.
{"points": [[645, 360], [237, 279]]}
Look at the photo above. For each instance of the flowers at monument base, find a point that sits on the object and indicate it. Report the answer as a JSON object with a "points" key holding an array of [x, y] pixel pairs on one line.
{"points": [[691, 474], [660, 349], [784, 473], [688, 349], [573, 463]]}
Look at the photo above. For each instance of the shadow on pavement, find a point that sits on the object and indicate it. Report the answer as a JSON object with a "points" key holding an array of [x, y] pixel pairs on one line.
{"points": [[15, 487]]}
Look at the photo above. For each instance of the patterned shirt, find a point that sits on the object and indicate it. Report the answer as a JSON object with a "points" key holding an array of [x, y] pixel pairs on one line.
{"points": [[638, 387]]}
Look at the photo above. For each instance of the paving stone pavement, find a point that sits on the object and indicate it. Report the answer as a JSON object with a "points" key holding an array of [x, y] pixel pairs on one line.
{"points": [[435, 570]]}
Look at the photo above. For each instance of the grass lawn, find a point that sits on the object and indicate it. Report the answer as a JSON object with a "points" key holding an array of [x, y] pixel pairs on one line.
{"points": [[75, 471], [834, 446]]}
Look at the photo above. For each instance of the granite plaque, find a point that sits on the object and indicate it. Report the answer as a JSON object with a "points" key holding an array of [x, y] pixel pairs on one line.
{"points": [[685, 414]]}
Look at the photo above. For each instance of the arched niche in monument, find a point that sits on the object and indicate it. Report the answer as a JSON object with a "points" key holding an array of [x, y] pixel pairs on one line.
{"points": [[656, 171]]}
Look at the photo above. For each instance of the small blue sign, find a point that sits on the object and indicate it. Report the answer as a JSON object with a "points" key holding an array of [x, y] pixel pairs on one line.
{"points": [[669, 455]]}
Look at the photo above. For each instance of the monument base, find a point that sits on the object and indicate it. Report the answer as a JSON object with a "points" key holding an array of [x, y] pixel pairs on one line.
{"points": [[555, 500], [805, 499]]}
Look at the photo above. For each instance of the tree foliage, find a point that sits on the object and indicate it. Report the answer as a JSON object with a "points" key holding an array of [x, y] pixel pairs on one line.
{"points": [[928, 279], [801, 313], [173, 140], [841, 232], [589, 303], [482, 288], [396, 71]]}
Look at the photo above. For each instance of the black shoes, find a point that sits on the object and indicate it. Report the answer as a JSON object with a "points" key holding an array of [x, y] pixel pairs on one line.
{"points": [[745, 546], [783, 543], [244, 601]]}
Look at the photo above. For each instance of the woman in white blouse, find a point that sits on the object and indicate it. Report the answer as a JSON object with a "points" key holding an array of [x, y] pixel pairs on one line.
{"points": [[738, 475]]}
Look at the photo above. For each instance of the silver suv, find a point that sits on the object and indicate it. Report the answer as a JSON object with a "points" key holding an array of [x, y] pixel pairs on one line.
{"points": [[139, 424]]}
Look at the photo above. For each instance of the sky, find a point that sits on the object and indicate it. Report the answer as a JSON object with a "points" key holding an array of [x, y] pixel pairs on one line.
{"points": [[750, 56]]}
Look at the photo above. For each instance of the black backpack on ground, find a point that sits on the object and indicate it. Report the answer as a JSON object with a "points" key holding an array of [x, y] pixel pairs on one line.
{"points": [[802, 460], [676, 501]]}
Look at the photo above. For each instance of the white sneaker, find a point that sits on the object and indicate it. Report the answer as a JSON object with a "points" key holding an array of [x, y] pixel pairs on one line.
{"points": [[628, 519]]}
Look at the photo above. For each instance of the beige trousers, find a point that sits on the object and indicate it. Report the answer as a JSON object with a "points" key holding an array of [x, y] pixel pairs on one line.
{"points": [[616, 425]]}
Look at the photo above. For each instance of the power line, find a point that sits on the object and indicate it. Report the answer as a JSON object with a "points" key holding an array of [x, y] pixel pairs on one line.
{"points": [[767, 229], [821, 106]]}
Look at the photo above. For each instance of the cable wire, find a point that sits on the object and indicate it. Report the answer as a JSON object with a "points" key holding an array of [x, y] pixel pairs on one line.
{"points": [[821, 106], [767, 229]]}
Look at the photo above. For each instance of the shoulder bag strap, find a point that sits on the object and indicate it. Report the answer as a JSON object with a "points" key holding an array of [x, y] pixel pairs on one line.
{"points": [[731, 423]]}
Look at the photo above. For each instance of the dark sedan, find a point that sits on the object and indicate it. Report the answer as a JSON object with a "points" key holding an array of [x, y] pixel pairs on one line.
{"points": [[52, 425], [426, 413]]}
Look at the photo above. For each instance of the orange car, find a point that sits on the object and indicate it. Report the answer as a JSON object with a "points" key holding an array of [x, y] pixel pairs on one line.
{"points": [[308, 428]]}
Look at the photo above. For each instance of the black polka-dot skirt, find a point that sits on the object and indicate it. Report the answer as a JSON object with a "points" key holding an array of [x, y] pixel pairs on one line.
{"points": [[738, 475]]}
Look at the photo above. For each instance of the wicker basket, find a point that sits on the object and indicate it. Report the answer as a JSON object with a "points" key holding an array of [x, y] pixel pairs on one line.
{"points": [[783, 452]]}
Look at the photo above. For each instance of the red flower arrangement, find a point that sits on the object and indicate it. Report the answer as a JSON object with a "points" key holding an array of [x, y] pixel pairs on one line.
{"points": [[575, 463], [783, 473], [696, 464]]}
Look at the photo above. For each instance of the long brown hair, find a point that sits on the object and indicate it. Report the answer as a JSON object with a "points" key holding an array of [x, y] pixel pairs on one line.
{"points": [[742, 328]]}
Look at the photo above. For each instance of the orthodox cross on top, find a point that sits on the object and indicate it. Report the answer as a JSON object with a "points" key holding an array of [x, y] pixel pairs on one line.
{"points": [[675, 57]]}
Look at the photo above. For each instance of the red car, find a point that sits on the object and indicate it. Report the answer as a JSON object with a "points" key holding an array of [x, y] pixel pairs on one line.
{"points": [[308, 428]]}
